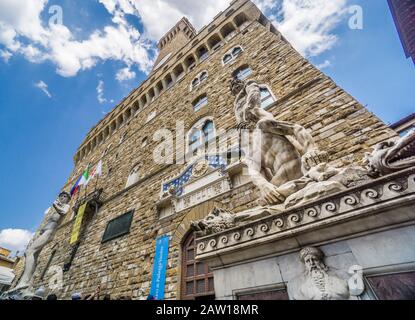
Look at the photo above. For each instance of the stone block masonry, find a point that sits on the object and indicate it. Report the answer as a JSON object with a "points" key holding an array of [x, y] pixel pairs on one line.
{"points": [[304, 95]]}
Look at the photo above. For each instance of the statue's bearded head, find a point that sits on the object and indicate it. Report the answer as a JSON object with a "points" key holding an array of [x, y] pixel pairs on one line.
{"points": [[236, 86], [312, 259], [64, 197]]}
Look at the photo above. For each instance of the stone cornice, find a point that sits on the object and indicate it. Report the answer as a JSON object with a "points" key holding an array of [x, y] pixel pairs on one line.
{"points": [[352, 211]]}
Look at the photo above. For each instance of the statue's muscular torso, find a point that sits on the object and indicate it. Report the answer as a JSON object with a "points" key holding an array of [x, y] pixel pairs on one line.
{"points": [[280, 161]]}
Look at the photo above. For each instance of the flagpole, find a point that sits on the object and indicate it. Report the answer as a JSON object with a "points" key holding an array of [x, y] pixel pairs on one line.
{"points": [[96, 183]]}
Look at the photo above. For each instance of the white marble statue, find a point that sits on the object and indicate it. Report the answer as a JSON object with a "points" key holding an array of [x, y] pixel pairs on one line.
{"points": [[59, 208], [282, 158], [283, 153], [318, 281]]}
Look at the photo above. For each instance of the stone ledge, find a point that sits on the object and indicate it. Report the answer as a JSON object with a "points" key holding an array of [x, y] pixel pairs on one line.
{"points": [[381, 203]]}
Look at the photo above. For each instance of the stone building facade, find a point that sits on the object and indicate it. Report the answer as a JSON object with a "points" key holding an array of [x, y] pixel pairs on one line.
{"points": [[189, 84]]}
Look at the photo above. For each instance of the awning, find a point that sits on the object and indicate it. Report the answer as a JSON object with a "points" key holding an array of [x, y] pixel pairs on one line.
{"points": [[6, 276]]}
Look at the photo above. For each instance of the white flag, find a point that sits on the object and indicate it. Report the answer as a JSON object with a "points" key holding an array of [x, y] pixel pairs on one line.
{"points": [[96, 171]]}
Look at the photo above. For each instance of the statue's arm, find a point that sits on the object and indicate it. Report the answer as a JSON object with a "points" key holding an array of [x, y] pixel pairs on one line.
{"points": [[269, 192], [60, 208]]}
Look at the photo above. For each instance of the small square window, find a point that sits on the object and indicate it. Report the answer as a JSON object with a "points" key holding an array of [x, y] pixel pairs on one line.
{"points": [[200, 103]]}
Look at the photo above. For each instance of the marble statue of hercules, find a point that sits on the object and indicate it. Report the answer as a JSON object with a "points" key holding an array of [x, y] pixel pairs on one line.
{"points": [[282, 153], [60, 208]]}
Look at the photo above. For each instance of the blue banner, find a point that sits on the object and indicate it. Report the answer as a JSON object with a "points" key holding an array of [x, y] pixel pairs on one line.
{"points": [[158, 278]]}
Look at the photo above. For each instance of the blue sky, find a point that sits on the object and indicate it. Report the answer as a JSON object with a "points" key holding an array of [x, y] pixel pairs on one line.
{"points": [[40, 130]]}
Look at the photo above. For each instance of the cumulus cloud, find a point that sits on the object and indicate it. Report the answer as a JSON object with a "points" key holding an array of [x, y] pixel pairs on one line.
{"points": [[22, 32], [44, 87], [125, 74], [100, 92], [5, 55], [15, 239], [159, 16], [307, 24]]}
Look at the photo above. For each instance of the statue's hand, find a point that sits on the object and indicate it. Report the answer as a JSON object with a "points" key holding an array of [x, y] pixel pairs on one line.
{"points": [[312, 158], [270, 194]]}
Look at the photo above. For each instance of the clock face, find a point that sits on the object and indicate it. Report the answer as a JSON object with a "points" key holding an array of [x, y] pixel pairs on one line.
{"points": [[162, 61]]}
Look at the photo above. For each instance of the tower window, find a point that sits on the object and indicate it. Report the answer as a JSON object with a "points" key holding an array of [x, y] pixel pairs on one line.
{"points": [[203, 53], [200, 103], [169, 81], [190, 63]]}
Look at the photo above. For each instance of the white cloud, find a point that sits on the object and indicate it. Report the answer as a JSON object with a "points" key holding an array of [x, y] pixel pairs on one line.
{"points": [[159, 16], [22, 32], [125, 74], [100, 92], [324, 64], [15, 239], [5, 55], [307, 24], [44, 87]]}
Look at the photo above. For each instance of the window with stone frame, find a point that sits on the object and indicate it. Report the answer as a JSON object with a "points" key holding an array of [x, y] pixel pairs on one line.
{"points": [[197, 278], [200, 134], [200, 102], [208, 131], [267, 98], [199, 79], [232, 54], [242, 72], [195, 140]]}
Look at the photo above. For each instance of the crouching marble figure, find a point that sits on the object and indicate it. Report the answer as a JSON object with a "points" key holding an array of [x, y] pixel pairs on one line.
{"points": [[282, 159], [318, 281], [59, 208]]}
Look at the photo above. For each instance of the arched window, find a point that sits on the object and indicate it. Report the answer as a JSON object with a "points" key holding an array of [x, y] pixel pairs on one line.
{"points": [[208, 130], [201, 77], [190, 63], [200, 102], [197, 279], [267, 97], [201, 133], [195, 140], [227, 58], [232, 54], [202, 53], [242, 72]]}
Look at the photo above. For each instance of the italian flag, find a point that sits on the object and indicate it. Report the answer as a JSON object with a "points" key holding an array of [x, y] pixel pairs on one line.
{"points": [[84, 177], [96, 171], [81, 181]]}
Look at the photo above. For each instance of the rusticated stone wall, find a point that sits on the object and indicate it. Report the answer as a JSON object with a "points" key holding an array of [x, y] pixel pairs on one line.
{"points": [[304, 95]]}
